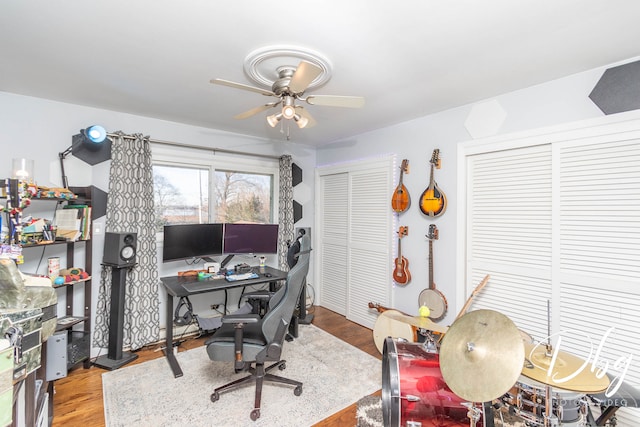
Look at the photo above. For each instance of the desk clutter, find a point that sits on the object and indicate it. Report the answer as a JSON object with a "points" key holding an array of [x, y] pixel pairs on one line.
{"points": [[239, 272]]}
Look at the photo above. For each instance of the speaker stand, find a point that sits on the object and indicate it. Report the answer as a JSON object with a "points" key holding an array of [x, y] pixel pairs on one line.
{"points": [[115, 358]]}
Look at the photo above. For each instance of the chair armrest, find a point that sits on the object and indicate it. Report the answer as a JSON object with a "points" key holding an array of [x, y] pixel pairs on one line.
{"points": [[263, 296], [240, 318]]}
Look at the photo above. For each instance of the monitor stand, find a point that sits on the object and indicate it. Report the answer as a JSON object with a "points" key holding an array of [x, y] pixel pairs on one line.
{"points": [[226, 260]]}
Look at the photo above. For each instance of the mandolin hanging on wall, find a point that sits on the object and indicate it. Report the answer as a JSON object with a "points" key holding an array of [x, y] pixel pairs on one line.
{"points": [[401, 200], [433, 201]]}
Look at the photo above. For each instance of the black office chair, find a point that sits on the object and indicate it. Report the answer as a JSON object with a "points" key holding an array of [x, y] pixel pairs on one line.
{"points": [[250, 341], [259, 300]]}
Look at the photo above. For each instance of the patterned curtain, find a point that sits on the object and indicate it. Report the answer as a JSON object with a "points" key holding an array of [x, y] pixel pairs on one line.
{"points": [[285, 212], [130, 209]]}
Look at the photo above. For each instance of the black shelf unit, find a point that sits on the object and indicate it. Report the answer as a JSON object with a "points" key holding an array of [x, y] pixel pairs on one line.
{"points": [[78, 342]]}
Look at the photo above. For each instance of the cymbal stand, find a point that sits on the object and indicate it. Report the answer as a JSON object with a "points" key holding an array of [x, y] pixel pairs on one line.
{"points": [[550, 419], [473, 413], [430, 344], [549, 351]]}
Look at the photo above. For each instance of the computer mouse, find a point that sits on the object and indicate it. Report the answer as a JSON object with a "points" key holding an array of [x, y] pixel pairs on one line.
{"points": [[268, 275]]}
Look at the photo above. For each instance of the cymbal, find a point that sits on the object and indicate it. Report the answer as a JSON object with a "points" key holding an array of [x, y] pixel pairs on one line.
{"points": [[418, 322], [481, 355], [566, 365]]}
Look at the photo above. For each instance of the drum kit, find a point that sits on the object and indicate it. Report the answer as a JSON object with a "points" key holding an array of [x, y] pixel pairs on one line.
{"points": [[482, 372]]}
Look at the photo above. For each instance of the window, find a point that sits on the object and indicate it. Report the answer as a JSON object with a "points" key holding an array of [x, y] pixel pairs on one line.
{"points": [[242, 197], [194, 187], [181, 195]]}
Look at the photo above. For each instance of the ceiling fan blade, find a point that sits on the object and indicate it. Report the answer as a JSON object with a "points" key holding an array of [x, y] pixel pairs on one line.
{"points": [[305, 113], [242, 86], [336, 101], [255, 111], [303, 76]]}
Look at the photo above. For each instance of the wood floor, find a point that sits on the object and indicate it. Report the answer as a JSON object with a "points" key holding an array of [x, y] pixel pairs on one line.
{"points": [[78, 397]]}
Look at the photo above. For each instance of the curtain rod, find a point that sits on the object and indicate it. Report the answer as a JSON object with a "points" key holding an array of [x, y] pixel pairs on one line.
{"points": [[198, 147]]}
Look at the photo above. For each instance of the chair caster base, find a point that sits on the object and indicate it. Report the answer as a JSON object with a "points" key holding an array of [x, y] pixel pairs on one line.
{"points": [[298, 390], [255, 414], [215, 396]]}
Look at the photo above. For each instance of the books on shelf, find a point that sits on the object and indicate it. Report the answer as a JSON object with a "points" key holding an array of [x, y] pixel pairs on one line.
{"points": [[73, 222]]}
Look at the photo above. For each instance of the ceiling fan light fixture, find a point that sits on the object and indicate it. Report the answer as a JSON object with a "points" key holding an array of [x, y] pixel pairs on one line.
{"points": [[288, 112], [300, 120], [288, 107], [274, 119]]}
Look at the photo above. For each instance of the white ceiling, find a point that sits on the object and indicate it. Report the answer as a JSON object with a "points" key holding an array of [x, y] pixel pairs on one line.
{"points": [[408, 58]]}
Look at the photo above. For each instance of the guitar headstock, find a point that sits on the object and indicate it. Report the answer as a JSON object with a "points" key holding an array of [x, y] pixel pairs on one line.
{"points": [[435, 158], [403, 231], [405, 166], [433, 232]]}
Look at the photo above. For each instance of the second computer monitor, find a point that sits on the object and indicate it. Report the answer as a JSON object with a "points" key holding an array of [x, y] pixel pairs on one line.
{"points": [[250, 239]]}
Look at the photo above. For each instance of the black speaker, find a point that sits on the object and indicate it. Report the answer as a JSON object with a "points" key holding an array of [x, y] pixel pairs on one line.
{"points": [[120, 249]]}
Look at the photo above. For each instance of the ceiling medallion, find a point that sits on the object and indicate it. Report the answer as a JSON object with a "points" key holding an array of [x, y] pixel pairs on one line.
{"points": [[262, 64]]}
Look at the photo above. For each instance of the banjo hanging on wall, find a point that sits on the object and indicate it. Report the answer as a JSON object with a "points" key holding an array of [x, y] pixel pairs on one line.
{"points": [[431, 297]]}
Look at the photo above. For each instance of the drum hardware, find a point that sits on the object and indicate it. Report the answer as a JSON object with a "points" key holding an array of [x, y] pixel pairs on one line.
{"points": [[550, 420], [481, 355], [541, 405], [473, 413], [430, 343], [627, 396]]}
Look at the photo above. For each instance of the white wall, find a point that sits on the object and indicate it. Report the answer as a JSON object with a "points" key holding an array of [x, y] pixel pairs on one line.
{"points": [[553, 103], [39, 129]]}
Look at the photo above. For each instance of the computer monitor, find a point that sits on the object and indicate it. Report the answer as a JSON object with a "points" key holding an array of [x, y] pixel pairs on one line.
{"points": [[250, 239], [184, 241]]}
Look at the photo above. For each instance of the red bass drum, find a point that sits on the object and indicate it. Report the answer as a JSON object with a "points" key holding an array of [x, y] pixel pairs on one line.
{"points": [[413, 390]]}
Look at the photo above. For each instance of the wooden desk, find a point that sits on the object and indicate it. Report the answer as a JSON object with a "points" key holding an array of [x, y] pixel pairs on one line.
{"points": [[185, 286]]}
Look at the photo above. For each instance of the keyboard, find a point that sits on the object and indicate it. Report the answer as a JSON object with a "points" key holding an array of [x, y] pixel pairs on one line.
{"points": [[241, 276]]}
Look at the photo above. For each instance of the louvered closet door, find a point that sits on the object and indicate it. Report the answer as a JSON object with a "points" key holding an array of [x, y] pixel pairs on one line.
{"points": [[599, 252], [354, 226], [334, 227], [558, 224], [510, 231], [369, 254]]}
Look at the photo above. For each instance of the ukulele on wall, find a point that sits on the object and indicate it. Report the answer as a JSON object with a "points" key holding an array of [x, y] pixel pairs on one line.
{"points": [[400, 201], [401, 273], [433, 202], [431, 297]]}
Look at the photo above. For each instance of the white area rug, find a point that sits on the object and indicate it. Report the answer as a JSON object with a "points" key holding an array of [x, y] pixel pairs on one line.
{"points": [[335, 375]]}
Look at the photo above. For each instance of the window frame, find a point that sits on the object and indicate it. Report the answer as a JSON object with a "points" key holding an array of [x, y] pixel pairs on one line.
{"points": [[207, 159]]}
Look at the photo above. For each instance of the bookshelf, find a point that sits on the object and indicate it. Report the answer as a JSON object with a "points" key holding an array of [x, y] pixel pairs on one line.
{"points": [[75, 324]]}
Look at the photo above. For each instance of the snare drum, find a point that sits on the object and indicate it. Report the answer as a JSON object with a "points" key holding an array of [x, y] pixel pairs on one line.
{"points": [[528, 399], [414, 394]]}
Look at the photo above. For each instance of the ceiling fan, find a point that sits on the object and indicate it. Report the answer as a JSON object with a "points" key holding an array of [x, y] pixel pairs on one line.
{"points": [[290, 88]]}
